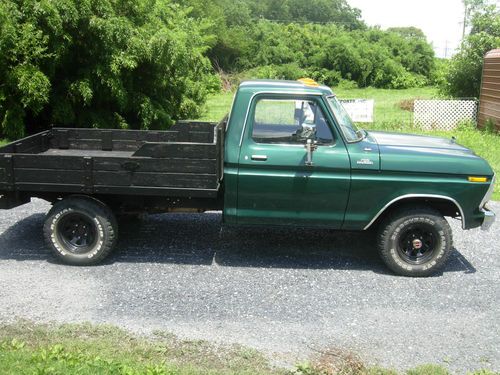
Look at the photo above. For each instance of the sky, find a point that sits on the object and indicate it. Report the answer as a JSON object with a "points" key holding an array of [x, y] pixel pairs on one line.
{"points": [[440, 20]]}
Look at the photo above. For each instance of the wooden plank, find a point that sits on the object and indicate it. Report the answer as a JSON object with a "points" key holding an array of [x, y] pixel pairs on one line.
{"points": [[84, 144], [157, 191], [120, 145], [107, 140], [195, 131], [178, 150], [9, 171], [88, 174], [491, 85], [96, 144], [112, 178], [48, 162], [116, 134], [201, 137], [29, 144], [157, 165], [48, 176], [45, 141], [491, 91], [188, 181], [157, 136], [220, 149], [63, 139], [7, 149], [53, 187], [490, 110], [194, 125]]}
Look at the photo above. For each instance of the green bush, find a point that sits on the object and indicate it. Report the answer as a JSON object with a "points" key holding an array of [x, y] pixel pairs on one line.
{"points": [[286, 71], [406, 80], [100, 63]]}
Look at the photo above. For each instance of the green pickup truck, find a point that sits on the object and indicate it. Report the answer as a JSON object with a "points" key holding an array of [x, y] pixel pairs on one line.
{"points": [[288, 154]]}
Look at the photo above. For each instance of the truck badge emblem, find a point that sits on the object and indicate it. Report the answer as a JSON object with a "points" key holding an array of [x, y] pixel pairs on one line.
{"points": [[365, 162]]}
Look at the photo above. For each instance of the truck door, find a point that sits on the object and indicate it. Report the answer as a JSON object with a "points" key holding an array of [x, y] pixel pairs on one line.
{"points": [[276, 184]]}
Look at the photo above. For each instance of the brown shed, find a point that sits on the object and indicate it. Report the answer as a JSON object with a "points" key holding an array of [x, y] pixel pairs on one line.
{"points": [[489, 100]]}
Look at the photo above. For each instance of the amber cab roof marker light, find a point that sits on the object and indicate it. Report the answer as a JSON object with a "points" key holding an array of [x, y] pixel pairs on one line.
{"points": [[308, 82]]}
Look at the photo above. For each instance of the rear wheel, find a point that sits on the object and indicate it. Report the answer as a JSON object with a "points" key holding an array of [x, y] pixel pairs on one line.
{"points": [[80, 230], [415, 241]]}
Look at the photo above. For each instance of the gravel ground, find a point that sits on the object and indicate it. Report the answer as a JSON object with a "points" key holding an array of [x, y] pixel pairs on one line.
{"points": [[265, 289]]}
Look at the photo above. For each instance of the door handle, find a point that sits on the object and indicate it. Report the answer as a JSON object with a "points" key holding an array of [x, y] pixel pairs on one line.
{"points": [[259, 157]]}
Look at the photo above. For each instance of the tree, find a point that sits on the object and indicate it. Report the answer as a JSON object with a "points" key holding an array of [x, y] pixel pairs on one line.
{"points": [[314, 11], [99, 63], [470, 8], [464, 75], [409, 33]]}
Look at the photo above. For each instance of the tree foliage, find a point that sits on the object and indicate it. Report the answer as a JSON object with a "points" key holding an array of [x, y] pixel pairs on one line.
{"points": [[142, 64], [99, 63], [324, 39], [463, 78]]}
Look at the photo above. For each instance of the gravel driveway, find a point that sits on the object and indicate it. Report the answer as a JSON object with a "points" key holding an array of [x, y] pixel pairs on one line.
{"points": [[286, 292]]}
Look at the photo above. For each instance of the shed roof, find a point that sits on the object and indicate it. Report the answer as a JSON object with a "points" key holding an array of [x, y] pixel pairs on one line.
{"points": [[494, 53]]}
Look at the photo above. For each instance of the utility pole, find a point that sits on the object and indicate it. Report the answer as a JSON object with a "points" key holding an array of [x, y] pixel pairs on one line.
{"points": [[466, 16]]}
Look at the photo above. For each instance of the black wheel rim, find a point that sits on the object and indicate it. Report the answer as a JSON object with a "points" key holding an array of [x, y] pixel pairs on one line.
{"points": [[77, 232], [417, 244]]}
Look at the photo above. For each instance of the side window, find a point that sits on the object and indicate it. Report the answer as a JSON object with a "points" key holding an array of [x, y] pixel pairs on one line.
{"points": [[289, 121]]}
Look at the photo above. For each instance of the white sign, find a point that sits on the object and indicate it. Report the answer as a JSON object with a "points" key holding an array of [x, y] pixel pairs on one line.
{"points": [[360, 110]]}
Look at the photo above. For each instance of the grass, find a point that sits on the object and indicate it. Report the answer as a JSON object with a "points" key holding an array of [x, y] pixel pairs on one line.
{"points": [[389, 115], [217, 106], [3, 142], [386, 102], [28, 348]]}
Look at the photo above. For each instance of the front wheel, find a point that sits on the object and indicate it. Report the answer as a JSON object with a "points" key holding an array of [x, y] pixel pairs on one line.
{"points": [[80, 230], [415, 241]]}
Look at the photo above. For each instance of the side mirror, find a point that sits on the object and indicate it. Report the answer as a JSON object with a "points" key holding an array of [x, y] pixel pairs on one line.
{"points": [[310, 146], [308, 131]]}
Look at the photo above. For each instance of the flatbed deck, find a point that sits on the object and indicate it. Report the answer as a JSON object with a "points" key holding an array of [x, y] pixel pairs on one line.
{"points": [[185, 161]]}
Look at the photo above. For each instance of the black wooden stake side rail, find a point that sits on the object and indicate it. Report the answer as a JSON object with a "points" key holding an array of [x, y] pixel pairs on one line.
{"points": [[95, 161]]}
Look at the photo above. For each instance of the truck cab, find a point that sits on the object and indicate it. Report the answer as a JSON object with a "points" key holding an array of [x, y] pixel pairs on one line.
{"points": [[293, 156]]}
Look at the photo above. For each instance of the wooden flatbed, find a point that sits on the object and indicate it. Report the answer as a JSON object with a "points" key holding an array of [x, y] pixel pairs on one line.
{"points": [[186, 161]]}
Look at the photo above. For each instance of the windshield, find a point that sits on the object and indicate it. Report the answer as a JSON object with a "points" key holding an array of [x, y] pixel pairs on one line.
{"points": [[351, 132]]}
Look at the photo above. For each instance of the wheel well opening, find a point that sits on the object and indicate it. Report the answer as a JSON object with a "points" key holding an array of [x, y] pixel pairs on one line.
{"points": [[444, 206]]}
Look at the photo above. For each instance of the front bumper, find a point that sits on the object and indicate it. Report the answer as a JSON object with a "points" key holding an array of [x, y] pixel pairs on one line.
{"points": [[489, 218]]}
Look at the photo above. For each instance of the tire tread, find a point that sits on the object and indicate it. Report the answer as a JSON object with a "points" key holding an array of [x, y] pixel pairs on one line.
{"points": [[386, 229], [89, 204]]}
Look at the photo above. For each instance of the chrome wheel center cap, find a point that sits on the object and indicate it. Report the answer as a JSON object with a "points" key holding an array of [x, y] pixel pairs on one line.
{"points": [[417, 244]]}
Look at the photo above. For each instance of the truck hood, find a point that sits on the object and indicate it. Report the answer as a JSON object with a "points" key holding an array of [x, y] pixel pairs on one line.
{"points": [[409, 141], [419, 153]]}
